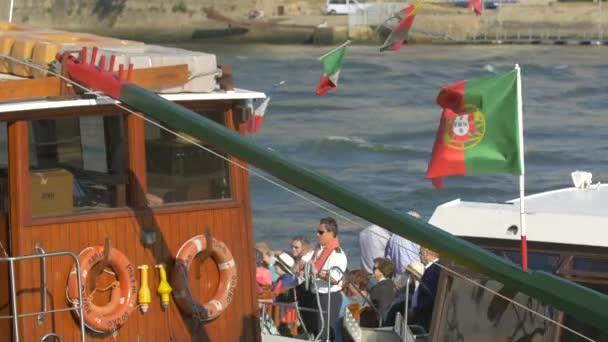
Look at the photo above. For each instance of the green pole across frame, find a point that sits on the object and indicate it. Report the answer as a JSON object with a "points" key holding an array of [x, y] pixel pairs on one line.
{"points": [[583, 303]]}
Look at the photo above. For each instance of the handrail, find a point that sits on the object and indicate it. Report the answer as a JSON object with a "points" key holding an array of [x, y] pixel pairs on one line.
{"points": [[42, 314], [583, 303], [15, 315]]}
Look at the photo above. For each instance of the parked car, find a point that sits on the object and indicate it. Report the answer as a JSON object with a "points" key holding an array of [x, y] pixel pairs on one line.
{"points": [[486, 4], [334, 7]]}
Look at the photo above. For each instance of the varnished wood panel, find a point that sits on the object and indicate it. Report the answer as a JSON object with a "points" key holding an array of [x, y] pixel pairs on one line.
{"points": [[229, 221], [235, 324], [29, 88]]}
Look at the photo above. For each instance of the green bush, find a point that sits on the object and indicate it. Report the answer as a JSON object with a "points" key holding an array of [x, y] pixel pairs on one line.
{"points": [[180, 7]]}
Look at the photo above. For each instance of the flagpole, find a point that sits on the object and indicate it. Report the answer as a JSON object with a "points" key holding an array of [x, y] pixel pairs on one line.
{"points": [[336, 48], [522, 211]]}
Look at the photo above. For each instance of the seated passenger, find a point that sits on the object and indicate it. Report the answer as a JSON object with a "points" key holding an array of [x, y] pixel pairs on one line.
{"points": [[268, 257], [355, 286], [414, 272], [424, 297], [381, 295], [302, 251], [262, 274], [287, 279]]}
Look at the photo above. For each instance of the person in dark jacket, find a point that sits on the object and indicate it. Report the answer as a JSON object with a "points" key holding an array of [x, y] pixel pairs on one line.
{"points": [[381, 295], [424, 297]]}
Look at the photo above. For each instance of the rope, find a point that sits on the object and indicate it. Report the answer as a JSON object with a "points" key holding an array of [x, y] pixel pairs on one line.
{"points": [[114, 284], [309, 200]]}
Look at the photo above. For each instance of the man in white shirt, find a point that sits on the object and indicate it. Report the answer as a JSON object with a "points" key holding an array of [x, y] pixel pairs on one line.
{"points": [[330, 263]]}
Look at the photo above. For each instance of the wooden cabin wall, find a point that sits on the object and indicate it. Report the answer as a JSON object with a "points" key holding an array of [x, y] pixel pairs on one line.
{"points": [[237, 323], [229, 221]]}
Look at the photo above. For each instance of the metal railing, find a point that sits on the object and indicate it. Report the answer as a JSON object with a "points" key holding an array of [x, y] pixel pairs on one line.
{"points": [[374, 15], [42, 255]]}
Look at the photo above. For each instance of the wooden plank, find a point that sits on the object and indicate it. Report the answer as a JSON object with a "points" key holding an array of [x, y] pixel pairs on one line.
{"points": [[161, 77], [137, 161], [29, 88]]}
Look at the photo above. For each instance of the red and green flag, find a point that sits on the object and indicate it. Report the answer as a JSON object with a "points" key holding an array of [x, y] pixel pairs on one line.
{"points": [[480, 128], [399, 34], [332, 65]]}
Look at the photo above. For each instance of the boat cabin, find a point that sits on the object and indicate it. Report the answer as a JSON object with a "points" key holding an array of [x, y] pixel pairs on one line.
{"points": [[566, 237], [79, 171]]}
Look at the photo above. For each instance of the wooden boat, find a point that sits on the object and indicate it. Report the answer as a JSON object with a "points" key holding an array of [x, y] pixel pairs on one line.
{"points": [[78, 171], [90, 182]]}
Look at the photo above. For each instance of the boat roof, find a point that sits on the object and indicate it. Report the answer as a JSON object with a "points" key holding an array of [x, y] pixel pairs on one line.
{"points": [[176, 74], [45, 103], [575, 216]]}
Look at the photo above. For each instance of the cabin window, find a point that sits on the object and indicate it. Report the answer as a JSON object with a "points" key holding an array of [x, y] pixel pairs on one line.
{"points": [[548, 262], [77, 165], [180, 171], [583, 264], [471, 313], [3, 168]]}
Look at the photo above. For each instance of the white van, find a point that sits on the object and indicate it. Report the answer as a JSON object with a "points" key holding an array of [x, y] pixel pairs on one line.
{"points": [[334, 7]]}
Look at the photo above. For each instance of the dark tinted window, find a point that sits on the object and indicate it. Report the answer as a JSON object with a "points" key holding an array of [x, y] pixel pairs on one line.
{"points": [[180, 171], [591, 265], [548, 262], [77, 165]]}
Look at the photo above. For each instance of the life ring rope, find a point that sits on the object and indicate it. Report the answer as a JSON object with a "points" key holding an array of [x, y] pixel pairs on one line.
{"points": [[123, 299], [227, 282]]}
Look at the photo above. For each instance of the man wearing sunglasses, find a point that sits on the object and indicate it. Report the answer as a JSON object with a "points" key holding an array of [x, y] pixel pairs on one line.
{"points": [[330, 262]]}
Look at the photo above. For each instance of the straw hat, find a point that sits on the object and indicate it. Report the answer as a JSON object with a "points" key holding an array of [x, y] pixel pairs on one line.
{"points": [[414, 214], [416, 268], [286, 261]]}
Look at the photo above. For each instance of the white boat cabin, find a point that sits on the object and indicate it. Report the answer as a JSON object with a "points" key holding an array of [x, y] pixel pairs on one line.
{"points": [[567, 237]]}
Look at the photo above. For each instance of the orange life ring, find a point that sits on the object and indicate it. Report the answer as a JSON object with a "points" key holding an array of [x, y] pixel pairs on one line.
{"points": [[113, 315], [179, 279]]}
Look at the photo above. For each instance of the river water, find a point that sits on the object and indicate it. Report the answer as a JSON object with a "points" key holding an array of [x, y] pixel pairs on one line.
{"points": [[375, 133]]}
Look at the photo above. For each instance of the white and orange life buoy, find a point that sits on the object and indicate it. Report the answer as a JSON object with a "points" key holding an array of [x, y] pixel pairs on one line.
{"points": [[225, 290], [114, 314]]}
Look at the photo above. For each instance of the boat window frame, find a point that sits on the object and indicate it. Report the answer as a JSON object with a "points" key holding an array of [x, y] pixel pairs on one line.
{"points": [[566, 252], [232, 122], [134, 207]]}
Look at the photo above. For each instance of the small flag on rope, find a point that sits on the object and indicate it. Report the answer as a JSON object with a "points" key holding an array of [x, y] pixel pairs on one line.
{"points": [[332, 65], [254, 123], [475, 6], [401, 31]]}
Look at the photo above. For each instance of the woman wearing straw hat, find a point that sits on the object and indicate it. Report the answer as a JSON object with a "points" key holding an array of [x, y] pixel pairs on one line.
{"points": [[287, 279]]}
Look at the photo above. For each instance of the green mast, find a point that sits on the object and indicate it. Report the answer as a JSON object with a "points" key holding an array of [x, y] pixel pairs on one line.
{"points": [[583, 303]]}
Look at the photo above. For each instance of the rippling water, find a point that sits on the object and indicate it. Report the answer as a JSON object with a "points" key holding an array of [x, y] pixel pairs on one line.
{"points": [[375, 133]]}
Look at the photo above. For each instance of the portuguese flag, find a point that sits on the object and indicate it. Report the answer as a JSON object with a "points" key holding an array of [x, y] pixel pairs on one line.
{"points": [[332, 64], [480, 128]]}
